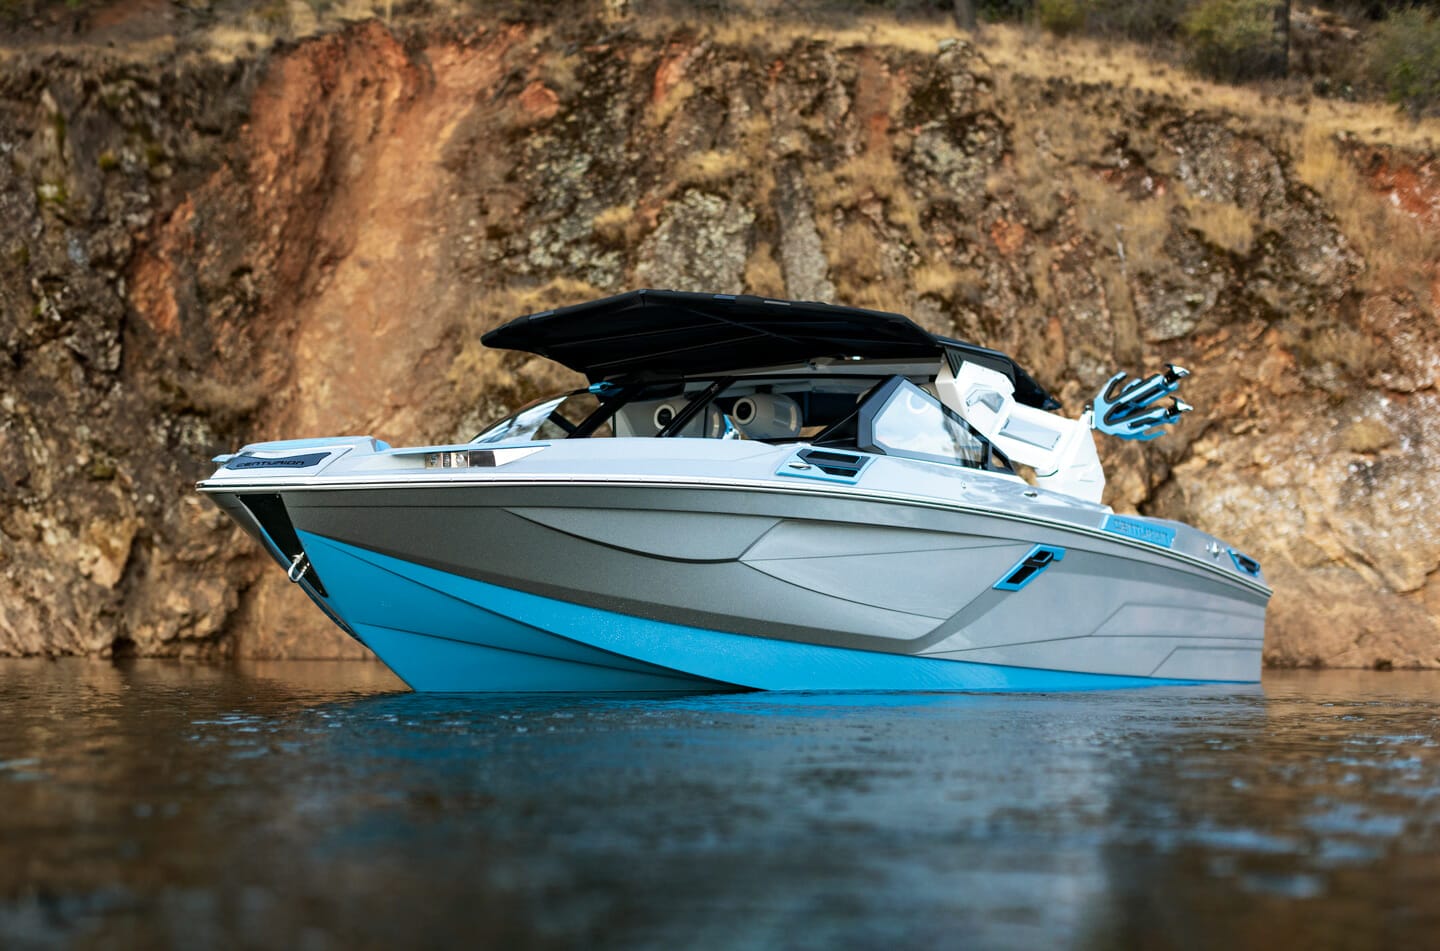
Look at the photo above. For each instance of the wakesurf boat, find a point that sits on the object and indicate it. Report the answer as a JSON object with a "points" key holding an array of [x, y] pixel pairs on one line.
{"points": [[757, 494]]}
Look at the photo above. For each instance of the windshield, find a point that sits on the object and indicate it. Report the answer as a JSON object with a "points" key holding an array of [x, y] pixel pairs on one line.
{"points": [[772, 409], [879, 414], [557, 417], [901, 419]]}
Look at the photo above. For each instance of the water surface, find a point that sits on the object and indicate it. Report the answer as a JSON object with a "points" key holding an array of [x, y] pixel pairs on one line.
{"points": [[315, 805]]}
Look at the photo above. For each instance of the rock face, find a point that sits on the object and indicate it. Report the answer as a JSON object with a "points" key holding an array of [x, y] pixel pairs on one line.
{"points": [[310, 240]]}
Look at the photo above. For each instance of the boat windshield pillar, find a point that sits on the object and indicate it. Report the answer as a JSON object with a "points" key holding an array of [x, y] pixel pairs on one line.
{"points": [[696, 404]]}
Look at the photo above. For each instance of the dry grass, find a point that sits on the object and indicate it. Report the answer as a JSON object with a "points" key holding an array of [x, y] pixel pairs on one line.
{"points": [[671, 103], [1223, 224], [1135, 228], [1391, 242], [762, 272], [1366, 436], [872, 174], [880, 295], [855, 253], [758, 150], [1348, 349], [709, 168], [229, 43], [777, 35], [940, 279], [1010, 49], [618, 225], [516, 300], [477, 370], [1031, 53], [1026, 51]]}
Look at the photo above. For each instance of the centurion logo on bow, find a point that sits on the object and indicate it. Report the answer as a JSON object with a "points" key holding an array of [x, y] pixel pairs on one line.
{"points": [[757, 494]]}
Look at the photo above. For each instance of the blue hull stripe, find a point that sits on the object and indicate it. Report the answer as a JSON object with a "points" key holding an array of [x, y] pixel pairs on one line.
{"points": [[441, 664], [441, 631]]}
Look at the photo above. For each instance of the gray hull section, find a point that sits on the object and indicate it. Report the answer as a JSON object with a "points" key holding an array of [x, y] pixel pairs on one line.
{"points": [[850, 572]]}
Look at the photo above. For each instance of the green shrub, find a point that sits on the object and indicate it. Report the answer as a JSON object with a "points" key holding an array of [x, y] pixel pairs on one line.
{"points": [[1061, 16], [1404, 58], [1233, 39]]}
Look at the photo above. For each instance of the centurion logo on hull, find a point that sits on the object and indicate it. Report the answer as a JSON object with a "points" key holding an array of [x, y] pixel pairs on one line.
{"points": [[1140, 531]]}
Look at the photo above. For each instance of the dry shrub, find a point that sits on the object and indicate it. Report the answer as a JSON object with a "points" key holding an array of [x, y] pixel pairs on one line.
{"points": [[776, 35], [856, 254], [1341, 347]]}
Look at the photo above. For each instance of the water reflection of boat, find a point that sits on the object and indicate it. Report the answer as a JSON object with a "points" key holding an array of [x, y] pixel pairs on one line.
{"points": [[796, 496]]}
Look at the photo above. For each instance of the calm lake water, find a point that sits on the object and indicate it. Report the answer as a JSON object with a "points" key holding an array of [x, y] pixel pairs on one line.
{"points": [[317, 805]]}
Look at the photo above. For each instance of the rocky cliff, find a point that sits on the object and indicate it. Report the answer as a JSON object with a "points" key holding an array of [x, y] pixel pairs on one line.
{"points": [[202, 246]]}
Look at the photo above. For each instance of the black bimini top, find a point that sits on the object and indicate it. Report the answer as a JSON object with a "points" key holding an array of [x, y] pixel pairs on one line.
{"points": [[660, 333]]}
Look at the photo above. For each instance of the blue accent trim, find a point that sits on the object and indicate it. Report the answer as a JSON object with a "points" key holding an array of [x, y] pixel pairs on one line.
{"points": [[1245, 564], [605, 389], [1036, 561], [441, 631], [1142, 530]]}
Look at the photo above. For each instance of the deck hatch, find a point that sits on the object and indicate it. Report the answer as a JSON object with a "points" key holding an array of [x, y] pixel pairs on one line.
{"points": [[828, 464], [1030, 567]]}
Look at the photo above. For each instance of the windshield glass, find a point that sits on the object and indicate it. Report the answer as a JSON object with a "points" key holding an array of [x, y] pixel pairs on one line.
{"points": [[782, 408], [554, 418], [901, 419], [887, 415]]}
